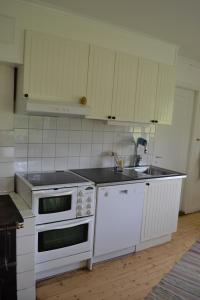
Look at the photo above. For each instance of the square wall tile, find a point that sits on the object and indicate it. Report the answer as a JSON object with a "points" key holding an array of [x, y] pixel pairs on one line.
{"points": [[49, 136], [6, 185], [21, 121], [62, 150], [97, 149], [35, 136], [84, 162], [86, 150], [62, 137], [35, 122], [21, 136], [73, 162], [21, 165], [7, 154], [50, 123], [75, 124], [7, 169], [75, 136], [7, 138], [97, 137], [48, 150], [34, 165], [48, 164], [21, 150], [62, 123], [61, 163], [87, 124], [86, 137], [35, 150], [74, 149]]}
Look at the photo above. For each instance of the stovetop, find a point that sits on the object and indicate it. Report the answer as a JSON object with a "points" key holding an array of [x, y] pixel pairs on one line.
{"points": [[53, 178], [106, 175]]}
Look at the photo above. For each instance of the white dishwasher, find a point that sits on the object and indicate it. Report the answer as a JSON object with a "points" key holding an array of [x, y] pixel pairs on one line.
{"points": [[118, 219]]}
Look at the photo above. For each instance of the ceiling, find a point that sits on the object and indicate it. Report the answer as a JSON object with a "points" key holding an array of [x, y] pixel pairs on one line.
{"points": [[174, 21]]}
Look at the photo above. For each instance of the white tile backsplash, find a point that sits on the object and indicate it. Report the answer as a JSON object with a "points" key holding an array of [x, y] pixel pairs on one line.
{"points": [[57, 143]]}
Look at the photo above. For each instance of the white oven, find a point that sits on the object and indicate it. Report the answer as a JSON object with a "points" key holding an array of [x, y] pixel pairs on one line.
{"points": [[54, 205], [64, 239]]}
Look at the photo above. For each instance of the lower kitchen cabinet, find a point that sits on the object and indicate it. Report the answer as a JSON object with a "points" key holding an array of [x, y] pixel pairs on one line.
{"points": [[161, 207]]}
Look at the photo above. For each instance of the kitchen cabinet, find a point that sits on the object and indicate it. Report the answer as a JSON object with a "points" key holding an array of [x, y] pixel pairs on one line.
{"points": [[146, 91], [165, 94], [118, 219], [100, 82], [124, 90], [161, 207], [55, 69]]}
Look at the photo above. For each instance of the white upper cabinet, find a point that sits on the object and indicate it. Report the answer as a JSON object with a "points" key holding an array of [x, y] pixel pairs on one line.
{"points": [[165, 94], [55, 69], [124, 91], [100, 82], [146, 91]]}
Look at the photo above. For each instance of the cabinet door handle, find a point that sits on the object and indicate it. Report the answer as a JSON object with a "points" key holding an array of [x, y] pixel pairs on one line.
{"points": [[148, 183], [26, 95], [124, 191], [198, 139], [109, 117], [152, 121], [83, 101], [113, 118]]}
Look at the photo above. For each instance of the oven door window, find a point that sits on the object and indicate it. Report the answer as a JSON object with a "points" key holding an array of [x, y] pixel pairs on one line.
{"points": [[61, 238], [49, 205]]}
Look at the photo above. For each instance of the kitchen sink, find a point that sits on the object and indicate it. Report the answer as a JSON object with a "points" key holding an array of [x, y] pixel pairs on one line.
{"points": [[150, 170]]}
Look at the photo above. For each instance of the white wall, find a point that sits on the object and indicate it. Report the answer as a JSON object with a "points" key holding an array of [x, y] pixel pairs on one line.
{"points": [[23, 15]]}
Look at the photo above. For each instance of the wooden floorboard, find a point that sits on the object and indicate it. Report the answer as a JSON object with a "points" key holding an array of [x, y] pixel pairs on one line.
{"points": [[130, 277]]}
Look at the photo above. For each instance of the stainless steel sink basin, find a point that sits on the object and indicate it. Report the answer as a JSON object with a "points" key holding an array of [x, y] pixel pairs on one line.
{"points": [[151, 171]]}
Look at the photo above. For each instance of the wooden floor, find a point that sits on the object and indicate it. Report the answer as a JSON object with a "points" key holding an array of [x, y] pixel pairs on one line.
{"points": [[130, 277]]}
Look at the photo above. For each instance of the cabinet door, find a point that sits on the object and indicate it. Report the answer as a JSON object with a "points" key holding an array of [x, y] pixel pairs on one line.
{"points": [[124, 92], [161, 207], [146, 91], [100, 82], [165, 94], [55, 68]]}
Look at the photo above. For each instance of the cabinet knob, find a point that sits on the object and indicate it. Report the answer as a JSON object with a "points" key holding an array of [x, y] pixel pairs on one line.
{"points": [[148, 183], [156, 121], [109, 117], [113, 118], [152, 121], [26, 95], [83, 101]]}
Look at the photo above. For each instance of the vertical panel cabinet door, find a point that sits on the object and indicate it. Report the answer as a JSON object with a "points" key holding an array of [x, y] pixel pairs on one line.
{"points": [[146, 91], [124, 91], [55, 68], [161, 207], [100, 81], [165, 94]]}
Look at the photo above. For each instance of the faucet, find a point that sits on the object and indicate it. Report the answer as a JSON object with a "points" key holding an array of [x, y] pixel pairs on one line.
{"points": [[137, 158], [118, 162]]}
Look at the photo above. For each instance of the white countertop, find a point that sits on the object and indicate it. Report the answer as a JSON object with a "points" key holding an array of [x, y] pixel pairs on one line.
{"points": [[25, 211]]}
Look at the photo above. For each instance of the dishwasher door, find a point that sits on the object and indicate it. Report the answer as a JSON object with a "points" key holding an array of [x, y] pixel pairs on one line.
{"points": [[118, 217]]}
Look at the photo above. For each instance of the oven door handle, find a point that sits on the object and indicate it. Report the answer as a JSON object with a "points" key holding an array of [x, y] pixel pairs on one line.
{"points": [[56, 194], [41, 228]]}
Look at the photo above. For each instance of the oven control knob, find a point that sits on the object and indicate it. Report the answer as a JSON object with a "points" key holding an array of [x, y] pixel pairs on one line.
{"points": [[88, 205], [79, 200], [88, 212], [89, 199], [80, 193], [79, 206], [79, 213]]}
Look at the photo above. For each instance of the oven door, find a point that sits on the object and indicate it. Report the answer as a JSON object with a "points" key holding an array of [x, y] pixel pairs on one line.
{"points": [[54, 205], [62, 239]]}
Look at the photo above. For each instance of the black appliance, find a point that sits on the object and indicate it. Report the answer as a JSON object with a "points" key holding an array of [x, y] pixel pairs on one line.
{"points": [[10, 219]]}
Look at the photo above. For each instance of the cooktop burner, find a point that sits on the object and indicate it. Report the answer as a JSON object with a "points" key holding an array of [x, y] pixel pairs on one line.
{"points": [[53, 178]]}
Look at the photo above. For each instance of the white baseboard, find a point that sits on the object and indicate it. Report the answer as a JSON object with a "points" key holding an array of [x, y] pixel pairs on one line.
{"points": [[153, 242]]}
